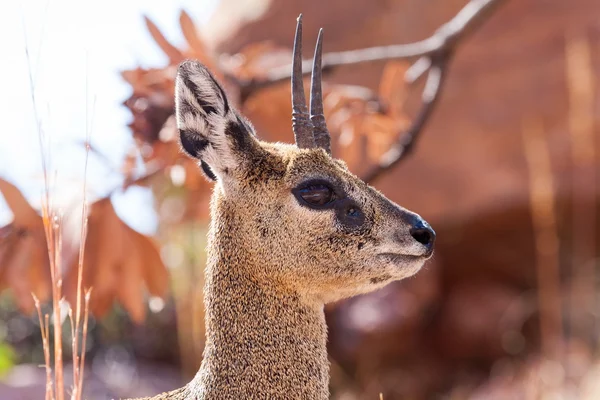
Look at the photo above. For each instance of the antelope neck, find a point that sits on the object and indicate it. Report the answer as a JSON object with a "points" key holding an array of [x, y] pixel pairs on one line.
{"points": [[261, 342]]}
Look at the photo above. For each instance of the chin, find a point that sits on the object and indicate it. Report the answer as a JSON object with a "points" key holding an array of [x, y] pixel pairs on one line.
{"points": [[409, 270], [394, 268], [407, 267]]}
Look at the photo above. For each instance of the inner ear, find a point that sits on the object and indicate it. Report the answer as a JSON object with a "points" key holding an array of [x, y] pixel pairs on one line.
{"points": [[210, 129]]}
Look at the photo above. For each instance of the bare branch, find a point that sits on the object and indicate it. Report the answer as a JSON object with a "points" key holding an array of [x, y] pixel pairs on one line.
{"points": [[444, 40], [407, 140], [434, 55], [436, 62]]}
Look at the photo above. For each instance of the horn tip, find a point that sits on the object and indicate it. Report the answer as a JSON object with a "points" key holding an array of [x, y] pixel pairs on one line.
{"points": [[299, 19]]}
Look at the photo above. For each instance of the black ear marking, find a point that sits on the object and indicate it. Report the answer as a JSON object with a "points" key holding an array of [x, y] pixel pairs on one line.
{"points": [[207, 171], [240, 133], [192, 143], [199, 81], [206, 106], [185, 108], [221, 91]]}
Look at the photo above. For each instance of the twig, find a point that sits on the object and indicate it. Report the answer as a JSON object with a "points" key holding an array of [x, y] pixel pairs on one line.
{"points": [[86, 314], [44, 326], [406, 141], [76, 322], [56, 306]]}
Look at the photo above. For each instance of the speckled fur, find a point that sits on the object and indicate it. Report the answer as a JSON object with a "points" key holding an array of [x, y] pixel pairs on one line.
{"points": [[272, 262]]}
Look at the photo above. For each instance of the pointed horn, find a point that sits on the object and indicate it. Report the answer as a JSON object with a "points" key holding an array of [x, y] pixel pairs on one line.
{"points": [[320, 132], [301, 124]]}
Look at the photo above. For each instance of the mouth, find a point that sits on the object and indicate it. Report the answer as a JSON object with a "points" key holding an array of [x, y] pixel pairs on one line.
{"points": [[402, 266], [395, 258]]}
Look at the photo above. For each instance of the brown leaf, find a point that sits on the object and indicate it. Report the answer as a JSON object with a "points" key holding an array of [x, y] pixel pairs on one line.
{"points": [[197, 46], [273, 122], [7, 238], [103, 249], [129, 287], [190, 33], [24, 214], [107, 240], [24, 264], [175, 55], [154, 272], [134, 77], [8, 247], [15, 271], [118, 263], [392, 86], [38, 274]]}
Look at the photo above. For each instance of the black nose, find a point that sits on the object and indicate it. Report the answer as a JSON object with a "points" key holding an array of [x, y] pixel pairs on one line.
{"points": [[423, 234]]}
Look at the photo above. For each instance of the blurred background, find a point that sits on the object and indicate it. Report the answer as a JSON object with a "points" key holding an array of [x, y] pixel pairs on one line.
{"points": [[506, 170]]}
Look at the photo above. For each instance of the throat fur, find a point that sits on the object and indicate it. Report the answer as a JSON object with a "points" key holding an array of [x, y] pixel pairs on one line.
{"points": [[262, 343]]}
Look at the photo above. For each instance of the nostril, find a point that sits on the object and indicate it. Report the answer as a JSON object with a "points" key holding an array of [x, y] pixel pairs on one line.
{"points": [[423, 235]]}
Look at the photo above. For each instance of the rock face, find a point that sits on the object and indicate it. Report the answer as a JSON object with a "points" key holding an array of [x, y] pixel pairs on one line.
{"points": [[468, 177]]}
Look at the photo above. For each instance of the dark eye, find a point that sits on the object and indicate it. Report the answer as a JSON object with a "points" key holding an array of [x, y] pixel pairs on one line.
{"points": [[317, 194], [353, 212]]}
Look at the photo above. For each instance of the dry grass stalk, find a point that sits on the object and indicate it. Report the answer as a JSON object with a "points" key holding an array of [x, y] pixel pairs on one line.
{"points": [[44, 325], [79, 351], [86, 314], [53, 222], [49, 229], [541, 189], [52, 225], [580, 85]]}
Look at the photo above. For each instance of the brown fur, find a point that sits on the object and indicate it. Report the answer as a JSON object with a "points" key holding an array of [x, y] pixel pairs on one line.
{"points": [[273, 263]]}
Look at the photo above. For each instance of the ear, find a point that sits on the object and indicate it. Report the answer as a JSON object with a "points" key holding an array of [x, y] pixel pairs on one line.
{"points": [[209, 129]]}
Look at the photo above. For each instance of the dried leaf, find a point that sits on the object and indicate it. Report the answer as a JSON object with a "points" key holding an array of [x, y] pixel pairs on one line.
{"points": [[8, 248], [197, 46], [154, 272], [24, 214], [105, 237], [133, 76], [129, 287], [103, 248], [38, 274], [174, 54], [191, 35], [15, 269], [392, 84], [23, 258], [118, 263]]}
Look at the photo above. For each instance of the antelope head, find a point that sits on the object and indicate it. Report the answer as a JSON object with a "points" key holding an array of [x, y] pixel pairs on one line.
{"points": [[298, 217]]}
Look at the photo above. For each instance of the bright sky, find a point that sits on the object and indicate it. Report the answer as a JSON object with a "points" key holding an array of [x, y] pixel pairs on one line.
{"points": [[76, 49]]}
